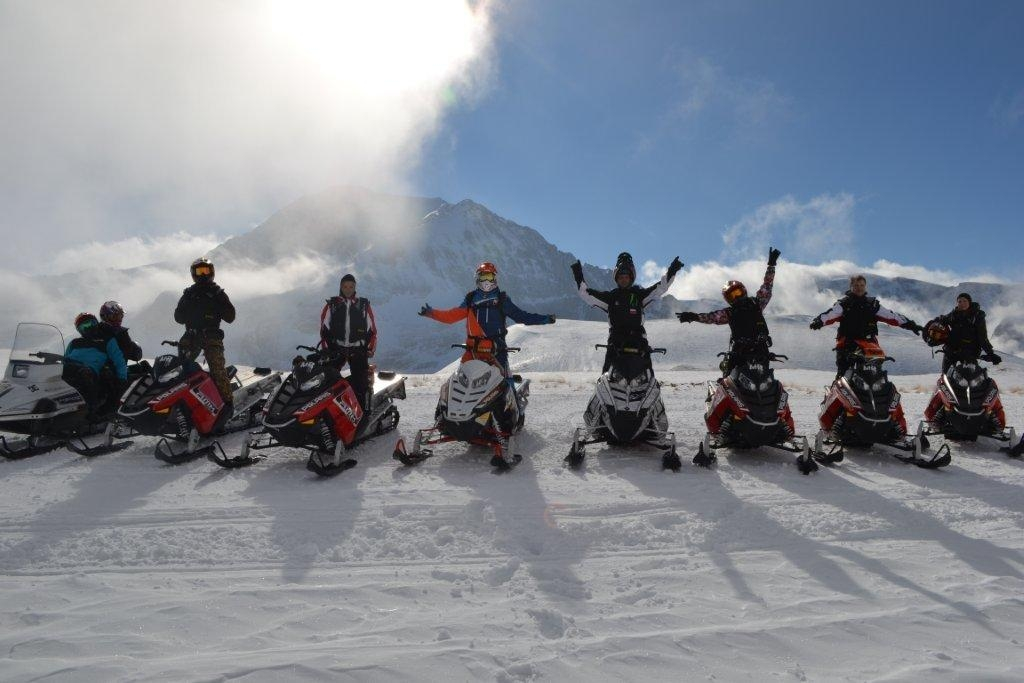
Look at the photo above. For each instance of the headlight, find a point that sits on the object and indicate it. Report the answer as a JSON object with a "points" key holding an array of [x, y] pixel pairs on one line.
{"points": [[878, 385], [960, 381], [860, 382], [20, 372], [169, 376], [462, 379], [482, 380], [977, 381], [747, 383], [312, 383]]}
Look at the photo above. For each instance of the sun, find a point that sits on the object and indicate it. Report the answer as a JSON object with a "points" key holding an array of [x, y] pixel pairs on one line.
{"points": [[380, 47]]}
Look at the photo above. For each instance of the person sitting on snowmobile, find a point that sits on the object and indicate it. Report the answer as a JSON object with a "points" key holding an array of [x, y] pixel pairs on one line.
{"points": [[968, 335], [858, 315], [624, 305], [485, 309], [95, 366], [748, 330], [201, 309], [111, 317], [349, 331]]}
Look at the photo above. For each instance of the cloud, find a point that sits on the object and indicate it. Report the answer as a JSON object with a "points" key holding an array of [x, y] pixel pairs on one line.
{"points": [[128, 118], [821, 228], [179, 248]]}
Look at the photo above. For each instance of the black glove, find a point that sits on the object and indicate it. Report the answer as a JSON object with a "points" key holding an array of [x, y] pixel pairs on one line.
{"points": [[425, 310], [913, 327], [993, 358], [687, 317], [551, 320], [674, 267], [577, 273], [773, 256], [816, 324], [298, 360]]}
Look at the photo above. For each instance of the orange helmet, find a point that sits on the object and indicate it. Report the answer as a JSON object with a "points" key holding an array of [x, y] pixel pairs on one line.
{"points": [[487, 267], [935, 333], [732, 291]]}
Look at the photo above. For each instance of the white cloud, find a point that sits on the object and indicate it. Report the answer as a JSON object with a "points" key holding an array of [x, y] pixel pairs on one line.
{"points": [[178, 248], [140, 118], [821, 228]]}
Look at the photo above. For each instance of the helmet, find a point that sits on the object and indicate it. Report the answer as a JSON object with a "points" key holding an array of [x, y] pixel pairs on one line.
{"points": [[111, 312], [732, 291], [624, 265], [486, 276], [84, 322], [935, 333], [202, 270]]}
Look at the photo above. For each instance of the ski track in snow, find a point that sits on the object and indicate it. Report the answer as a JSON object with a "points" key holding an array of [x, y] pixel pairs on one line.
{"points": [[123, 568]]}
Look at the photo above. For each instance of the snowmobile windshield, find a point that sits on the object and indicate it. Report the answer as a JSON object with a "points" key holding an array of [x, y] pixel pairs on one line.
{"points": [[45, 341]]}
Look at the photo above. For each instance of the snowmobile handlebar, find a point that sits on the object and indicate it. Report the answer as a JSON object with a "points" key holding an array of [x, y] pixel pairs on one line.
{"points": [[623, 348], [467, 347], [771, 356], [300, 347], [47, 357]]}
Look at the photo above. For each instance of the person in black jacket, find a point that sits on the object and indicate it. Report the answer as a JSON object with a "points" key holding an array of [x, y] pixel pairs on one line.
{"points": [[111, 318], [625, 304], [858, 316], [201, 309], [349, 330], [748, 329], [968, 334]]}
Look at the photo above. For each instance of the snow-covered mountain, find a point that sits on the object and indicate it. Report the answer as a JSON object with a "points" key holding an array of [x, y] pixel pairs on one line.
{"points": [[406, 251]]}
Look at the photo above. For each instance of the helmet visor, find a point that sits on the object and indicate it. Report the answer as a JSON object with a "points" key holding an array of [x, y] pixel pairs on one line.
{"points": [[732, 294], [202, 270], [86, 324], [485, 277]]}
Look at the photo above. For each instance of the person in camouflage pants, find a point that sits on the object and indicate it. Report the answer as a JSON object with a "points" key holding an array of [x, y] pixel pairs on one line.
{"points": [[201, 309]]}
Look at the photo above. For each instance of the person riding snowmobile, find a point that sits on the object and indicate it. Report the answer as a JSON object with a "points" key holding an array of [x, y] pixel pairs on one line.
{"points": [[201, 309], [967, 338], [858, 315], [624, 305], [485, 309], [749, 336], [95, 366], [111, 317], [348, 329]]}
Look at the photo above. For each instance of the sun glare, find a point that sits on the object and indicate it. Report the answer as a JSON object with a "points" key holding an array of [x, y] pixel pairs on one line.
{"points": [[381, 47]]}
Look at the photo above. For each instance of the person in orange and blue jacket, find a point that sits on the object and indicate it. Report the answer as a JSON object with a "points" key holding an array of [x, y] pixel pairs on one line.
{"points": [[485, 310]]}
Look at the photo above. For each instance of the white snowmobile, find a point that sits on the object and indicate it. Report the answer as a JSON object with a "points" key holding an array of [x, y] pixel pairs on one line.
{"points": [[36, 402], [626, 409], [476, 405]]}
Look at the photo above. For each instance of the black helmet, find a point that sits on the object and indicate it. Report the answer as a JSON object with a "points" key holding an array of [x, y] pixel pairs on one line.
{"points": [[112, 312], [624, 264], [202, 270]]}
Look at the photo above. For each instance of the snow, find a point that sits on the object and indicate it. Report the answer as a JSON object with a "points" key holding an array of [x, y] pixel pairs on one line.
{"points": [[123, 568]]}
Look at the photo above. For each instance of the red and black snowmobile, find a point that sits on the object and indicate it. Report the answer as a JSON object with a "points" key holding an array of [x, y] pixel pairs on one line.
{"points": [[749, 408], [179, 401], [862, 408], [315, 408], [966, 405], [477, 405]]}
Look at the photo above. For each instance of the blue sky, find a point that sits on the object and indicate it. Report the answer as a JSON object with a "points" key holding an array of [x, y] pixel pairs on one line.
{"points": [[867, 130]]}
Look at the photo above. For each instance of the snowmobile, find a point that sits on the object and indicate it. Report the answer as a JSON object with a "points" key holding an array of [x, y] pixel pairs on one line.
{"points": [[862, 408], [966, 405], [316, 408], [36, 402], [477, 404], [626, 408], [749, 408], [179, 401]]}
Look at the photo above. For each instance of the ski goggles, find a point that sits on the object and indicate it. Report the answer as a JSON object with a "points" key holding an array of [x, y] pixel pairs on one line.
{"points": [[86, 324], [486, 277], [202, 270]]}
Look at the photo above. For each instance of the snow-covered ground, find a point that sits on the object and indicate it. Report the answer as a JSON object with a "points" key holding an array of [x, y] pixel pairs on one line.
{"points": [[122, 568]]}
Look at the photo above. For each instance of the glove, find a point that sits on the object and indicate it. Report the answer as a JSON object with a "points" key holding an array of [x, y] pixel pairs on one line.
{"points": [[674, 267], [773, 256], [816, 324], [297, 360], [913, 327], [993, 358], [551, 320], [687, 317], [577, 273], [425, 310]]}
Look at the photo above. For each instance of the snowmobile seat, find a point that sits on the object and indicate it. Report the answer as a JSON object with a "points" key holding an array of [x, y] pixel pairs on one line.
{"points": [[386, 374], [262, 372], [231, 371]]}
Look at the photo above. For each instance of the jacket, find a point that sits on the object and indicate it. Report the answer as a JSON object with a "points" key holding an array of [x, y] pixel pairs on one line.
{"points": [[95, 349], [348, 323], [203, 306]]}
